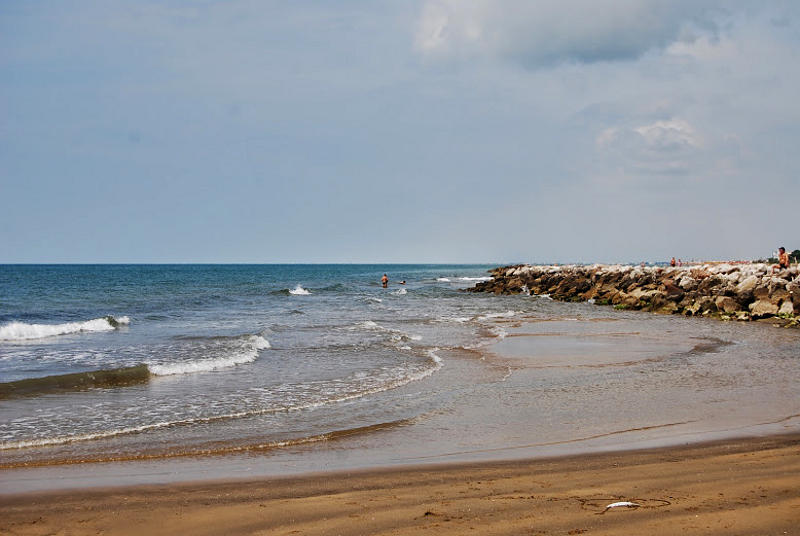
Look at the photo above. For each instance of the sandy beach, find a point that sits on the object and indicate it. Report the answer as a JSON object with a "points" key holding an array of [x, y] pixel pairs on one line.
{"points": [[747, 486]]}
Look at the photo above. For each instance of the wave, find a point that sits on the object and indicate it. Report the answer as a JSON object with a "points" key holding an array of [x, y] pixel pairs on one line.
{"points": [[244, 349], [78, 381], [443, 279], [507, 314], [400, 292], [20, 331], [369, 325], [246, 352], [299, 291], [456, 319], [389, 379]]}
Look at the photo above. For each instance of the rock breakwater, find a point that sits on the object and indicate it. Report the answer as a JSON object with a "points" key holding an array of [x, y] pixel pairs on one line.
{"points": [[727, 291]]}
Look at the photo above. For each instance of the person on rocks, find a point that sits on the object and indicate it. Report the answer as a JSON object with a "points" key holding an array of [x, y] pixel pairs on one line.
{"points": [[783, 260], [672, 262], [385, 281]]}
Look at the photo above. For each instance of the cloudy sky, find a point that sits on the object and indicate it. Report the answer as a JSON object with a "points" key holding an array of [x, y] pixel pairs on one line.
{"points": [[403, 131]]}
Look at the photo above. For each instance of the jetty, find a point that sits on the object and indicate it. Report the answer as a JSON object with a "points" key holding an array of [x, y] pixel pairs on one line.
{"points": [[740, 291]]}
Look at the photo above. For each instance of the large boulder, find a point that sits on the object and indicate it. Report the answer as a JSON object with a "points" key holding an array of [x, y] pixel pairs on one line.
{"points": [[726, 304], [787, 308], [692, 309], [745, 289], [747, 285], [687, 283], [644, 295], [780, 295], [794, 290], [761, 292], [673, 291], [668, 308], [701, 304], [710, 284], [762, 308]]}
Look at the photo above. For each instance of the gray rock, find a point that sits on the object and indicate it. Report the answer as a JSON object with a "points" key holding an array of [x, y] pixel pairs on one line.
{"points": [[787, 308], [726, 304], [687, 283], [762, 308], [761, 292], [779, 295], [748, 285]]}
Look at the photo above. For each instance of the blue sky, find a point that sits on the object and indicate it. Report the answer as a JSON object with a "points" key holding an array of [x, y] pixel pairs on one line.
{"points": [[406, 131]]}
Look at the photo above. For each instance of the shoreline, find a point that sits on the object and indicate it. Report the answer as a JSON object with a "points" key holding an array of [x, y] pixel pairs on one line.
{"points": [[743, 486], [530, 349]]}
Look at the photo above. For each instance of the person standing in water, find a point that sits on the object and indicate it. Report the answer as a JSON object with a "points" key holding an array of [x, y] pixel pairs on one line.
{"points": [[385, 281]]}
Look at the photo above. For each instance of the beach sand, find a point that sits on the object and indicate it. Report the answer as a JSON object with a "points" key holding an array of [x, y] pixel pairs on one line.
{"points": [[745, 486]]}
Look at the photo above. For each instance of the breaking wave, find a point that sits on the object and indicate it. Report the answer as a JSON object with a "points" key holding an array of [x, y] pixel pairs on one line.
{"points": [[233, 351], [299, 291], [245, 352], [20, 331], [340, 390]]}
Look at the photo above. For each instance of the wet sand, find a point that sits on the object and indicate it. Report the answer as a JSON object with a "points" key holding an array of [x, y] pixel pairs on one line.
{"points": [[745, 486]]}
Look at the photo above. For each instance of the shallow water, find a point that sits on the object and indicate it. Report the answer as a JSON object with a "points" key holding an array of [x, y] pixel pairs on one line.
{"points": [[249, 375]]}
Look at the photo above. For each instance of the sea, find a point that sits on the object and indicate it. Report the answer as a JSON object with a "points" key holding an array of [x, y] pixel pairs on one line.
{"points": [[147, 373]]}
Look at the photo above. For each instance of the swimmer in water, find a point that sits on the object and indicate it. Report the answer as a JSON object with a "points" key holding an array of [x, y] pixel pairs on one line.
{"points": [[385, 281]]}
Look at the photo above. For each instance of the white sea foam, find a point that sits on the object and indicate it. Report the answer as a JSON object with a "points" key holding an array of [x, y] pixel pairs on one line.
{"points": [[247, 352], [399, 292], [20, 331], [368, 324], [457, 319], [299, 291], [432, 354], [507, 314], [499, 332], [495, 334], [475, 278], [443, 279]]}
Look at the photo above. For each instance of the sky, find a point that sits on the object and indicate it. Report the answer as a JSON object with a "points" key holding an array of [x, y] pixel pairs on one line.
{"points": [[455, 131]]}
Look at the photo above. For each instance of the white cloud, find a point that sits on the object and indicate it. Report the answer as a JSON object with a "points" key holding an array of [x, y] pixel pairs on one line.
{"points": [[669, 136], [555, 31], [662, 147]]}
